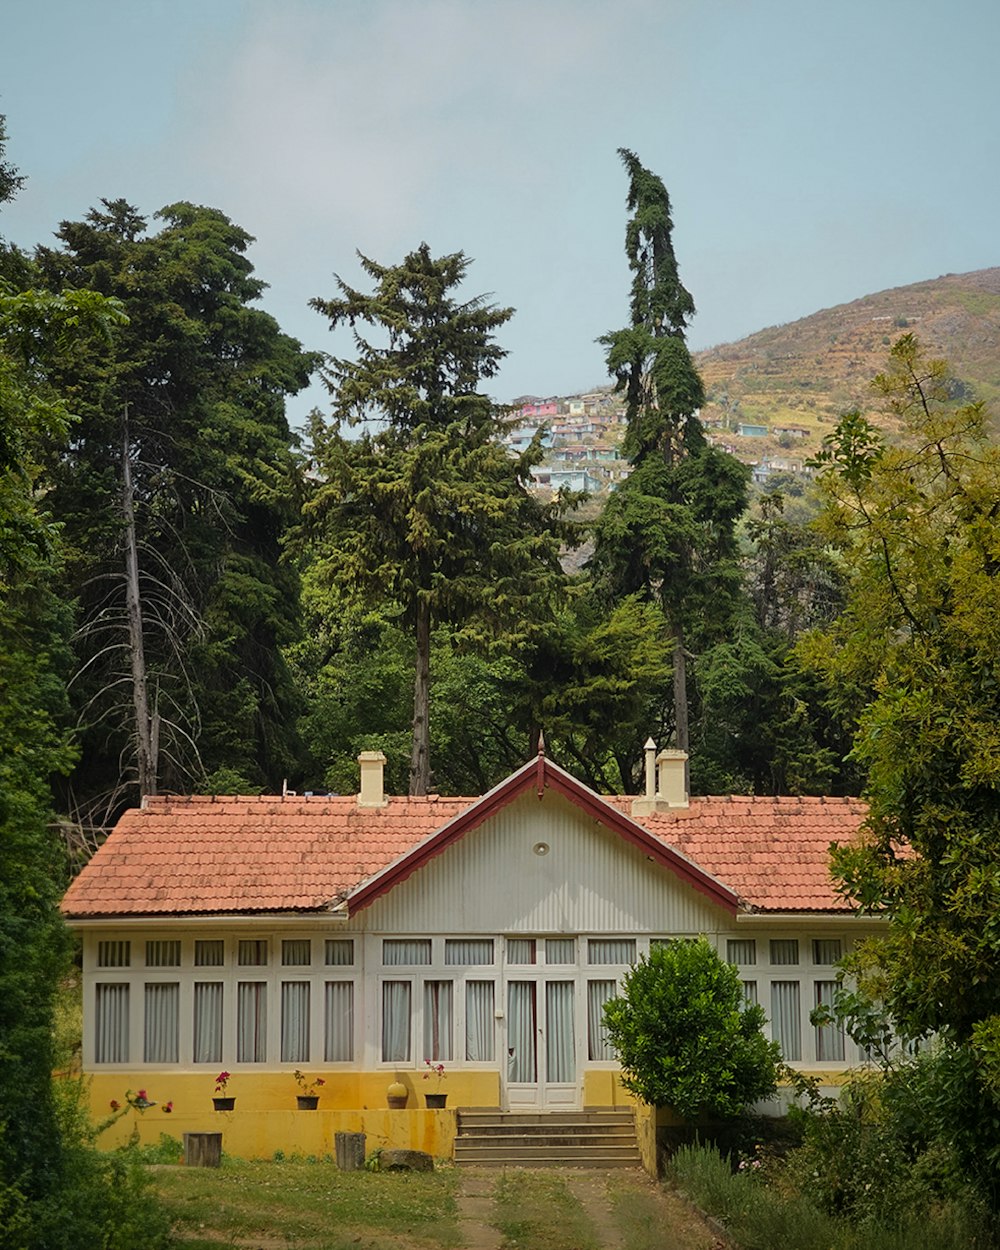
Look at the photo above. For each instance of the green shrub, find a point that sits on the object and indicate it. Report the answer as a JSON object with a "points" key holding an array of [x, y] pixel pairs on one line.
{"points": [[686, 1037]]}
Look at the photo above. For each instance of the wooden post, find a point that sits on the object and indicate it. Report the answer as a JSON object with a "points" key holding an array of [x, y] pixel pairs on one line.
{"points": [[350, 1151], [202, 1150]]}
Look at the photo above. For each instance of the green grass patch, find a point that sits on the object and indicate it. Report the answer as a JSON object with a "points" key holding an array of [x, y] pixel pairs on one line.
{"points": [[536, 1211], [312, 1206]]}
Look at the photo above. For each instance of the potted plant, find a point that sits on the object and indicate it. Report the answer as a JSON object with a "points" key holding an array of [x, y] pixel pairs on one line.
{"points": [[222, 1101], [308, 1100], [435, 1072]]}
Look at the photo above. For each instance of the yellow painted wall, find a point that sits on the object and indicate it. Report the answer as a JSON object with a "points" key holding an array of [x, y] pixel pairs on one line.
{"points": [[265, 1120]]}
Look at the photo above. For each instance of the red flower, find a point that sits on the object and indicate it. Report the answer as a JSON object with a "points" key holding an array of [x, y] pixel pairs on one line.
{"points": [[169, 1106], [115, 1104], [319, 1081], [141, 1095]]}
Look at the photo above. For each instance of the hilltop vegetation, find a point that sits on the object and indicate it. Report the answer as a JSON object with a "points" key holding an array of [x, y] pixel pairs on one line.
{"points": [[809, 372]]}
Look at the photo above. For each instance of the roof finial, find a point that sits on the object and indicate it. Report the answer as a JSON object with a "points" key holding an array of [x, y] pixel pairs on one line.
{"points": [[541, 742]]}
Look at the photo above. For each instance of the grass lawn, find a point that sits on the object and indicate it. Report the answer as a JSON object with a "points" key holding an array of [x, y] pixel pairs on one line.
{"points": [[309, 1206]]}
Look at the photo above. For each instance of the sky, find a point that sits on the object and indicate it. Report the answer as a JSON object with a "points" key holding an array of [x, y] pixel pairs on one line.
{"points": [[813, 153]]}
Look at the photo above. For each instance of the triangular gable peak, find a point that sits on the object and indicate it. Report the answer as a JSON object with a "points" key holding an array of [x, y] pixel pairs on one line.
{"points": [[540, 775]]}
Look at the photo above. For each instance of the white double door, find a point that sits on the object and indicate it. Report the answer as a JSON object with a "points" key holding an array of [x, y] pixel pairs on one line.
{"points": [[541, 1041]]}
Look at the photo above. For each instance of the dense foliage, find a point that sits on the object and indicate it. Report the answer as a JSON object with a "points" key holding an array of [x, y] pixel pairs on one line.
{"points": [[687, 1038]]}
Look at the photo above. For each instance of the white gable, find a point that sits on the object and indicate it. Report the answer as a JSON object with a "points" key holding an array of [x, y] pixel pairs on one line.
{"points": [[588, 880]]}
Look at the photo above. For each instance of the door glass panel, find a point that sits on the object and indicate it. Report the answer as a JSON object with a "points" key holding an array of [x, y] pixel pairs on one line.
{"points": [[560, 1041], [521, 1032]]}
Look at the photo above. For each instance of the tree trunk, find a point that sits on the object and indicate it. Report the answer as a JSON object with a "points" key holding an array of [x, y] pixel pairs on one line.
{"points": [[420, 757], [146, 730], [680, 691]]}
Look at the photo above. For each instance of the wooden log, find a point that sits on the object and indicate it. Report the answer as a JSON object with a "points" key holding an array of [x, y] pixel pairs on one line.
{"points": [[349, 1150], [202, 1150]]}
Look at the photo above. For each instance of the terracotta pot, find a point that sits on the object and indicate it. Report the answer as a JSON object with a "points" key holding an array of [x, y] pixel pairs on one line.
{"points": [[307, 1102], [397, 1094], [224, 1104], [436, 1101]]}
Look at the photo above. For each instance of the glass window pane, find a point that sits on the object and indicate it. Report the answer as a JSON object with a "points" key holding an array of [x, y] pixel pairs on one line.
{"points": [[784, 951], [111, 1023], [339, 952], [829, 1037], [786, 1025], [253, 953], [210, 953], [741, 951], [208, 1004], [113, 954], [560, 950], [479, 1021], [339, 1022], [163, 954], [560, 1032], [611, 950], [415, 951], [251, 1022], [295, 1022], [468, 951], [162, 1022], [598, 993], [296, 952], [520, 950], [827, 951], [438, 1020], [395, 1021]]}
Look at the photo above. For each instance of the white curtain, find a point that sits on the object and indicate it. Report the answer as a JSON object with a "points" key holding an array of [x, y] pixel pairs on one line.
{"points": [[163, 954], [162, 1022], [479, 1021], [114, 954], [560, 1036], [786, 1026], [210, 953], [339, 1022], [468, 951], [396, 951], [826, 951], [295, 1022], [111, 1024], [252, 953], [829, 1037], [520, 950], [741, 951], [395, 1021], [340, 952], [438, 1020], [598, 993], [251, 1022], [611, 951], [784, 951], [750, 993], [521, 1064], [560, 950], [208, 1021], [296, 952]]}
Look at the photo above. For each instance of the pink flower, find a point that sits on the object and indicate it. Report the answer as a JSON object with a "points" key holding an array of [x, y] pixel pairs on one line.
{"points": [[141, 1095], [169, 1106]]}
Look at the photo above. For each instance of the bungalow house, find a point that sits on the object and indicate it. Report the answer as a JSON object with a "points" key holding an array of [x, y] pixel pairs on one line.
{"points": [[356, 938]]}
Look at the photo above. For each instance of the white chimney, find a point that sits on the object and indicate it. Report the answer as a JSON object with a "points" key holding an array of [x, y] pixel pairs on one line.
{"points": [[666, 781], [372, 766]]}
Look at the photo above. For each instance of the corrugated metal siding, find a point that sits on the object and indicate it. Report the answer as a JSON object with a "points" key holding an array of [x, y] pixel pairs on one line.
{"points": [[590, 881]]}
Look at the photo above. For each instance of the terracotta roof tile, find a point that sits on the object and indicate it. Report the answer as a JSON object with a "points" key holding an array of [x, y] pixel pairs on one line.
{"points": [[190, 854]]}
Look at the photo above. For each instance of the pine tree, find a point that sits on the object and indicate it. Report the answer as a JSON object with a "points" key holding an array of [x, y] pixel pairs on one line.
{"points": [[427, 511], [668, 531]]}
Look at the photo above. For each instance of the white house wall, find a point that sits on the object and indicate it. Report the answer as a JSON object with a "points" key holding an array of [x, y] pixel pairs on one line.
{"points": [[589, 880]]}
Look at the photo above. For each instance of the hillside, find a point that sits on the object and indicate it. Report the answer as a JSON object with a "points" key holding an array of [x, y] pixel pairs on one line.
{"points": [[802, 376]]}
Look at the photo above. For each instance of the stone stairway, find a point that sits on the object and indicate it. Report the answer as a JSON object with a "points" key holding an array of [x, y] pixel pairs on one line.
{"points": [[600, 1138]]}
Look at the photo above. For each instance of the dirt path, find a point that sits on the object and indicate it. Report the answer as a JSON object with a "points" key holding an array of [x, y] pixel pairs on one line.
{"points": [[627, 1209]]}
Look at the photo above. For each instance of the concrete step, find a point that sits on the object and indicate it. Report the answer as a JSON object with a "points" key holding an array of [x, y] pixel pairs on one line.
{"points": [[595, 1138]]}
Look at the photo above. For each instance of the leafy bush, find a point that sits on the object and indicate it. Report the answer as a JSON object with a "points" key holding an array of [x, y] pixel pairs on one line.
{"points": [[687, 1038]]}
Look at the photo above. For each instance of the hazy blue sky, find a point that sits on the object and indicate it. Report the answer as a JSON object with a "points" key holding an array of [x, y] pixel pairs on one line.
{"points": [[813, 152]]}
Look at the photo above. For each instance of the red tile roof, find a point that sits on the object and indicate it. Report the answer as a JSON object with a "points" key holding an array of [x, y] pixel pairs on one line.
{"points": [[179, 856]]}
